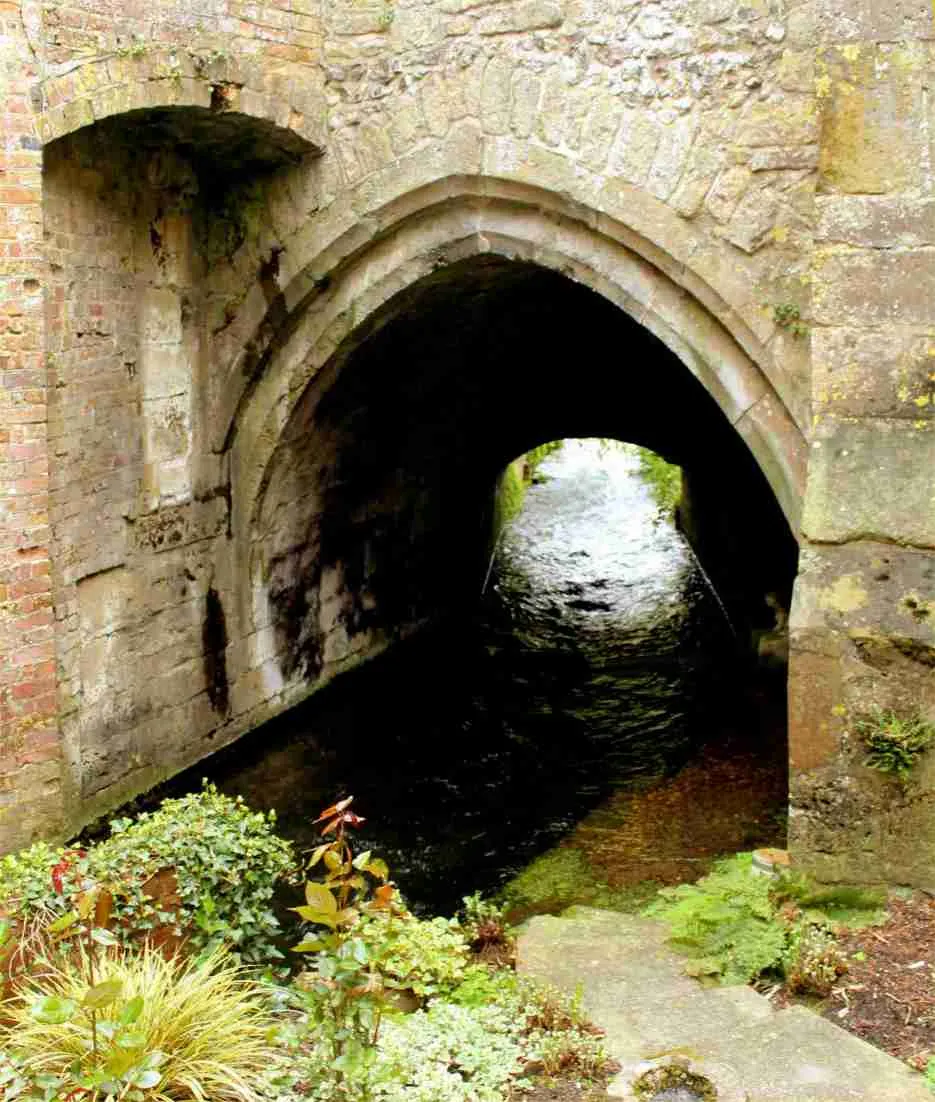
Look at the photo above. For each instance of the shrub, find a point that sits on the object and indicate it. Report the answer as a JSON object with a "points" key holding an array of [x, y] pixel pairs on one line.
{"points": [[222, 862], [726, 923], [485, 927], [426, 956], [203, 1026]]}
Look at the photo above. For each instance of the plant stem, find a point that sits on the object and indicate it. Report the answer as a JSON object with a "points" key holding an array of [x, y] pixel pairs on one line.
{"points": [[91, 982]]}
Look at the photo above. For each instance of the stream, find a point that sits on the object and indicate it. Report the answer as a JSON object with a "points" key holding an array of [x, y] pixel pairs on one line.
{"points": [[598, 662]]}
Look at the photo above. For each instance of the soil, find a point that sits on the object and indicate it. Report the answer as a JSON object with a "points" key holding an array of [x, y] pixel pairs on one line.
{"points": [[887, 995], [564, 1090]]}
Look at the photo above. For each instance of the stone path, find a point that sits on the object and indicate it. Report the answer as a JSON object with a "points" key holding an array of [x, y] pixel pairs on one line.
{"points": [[633, 987]]}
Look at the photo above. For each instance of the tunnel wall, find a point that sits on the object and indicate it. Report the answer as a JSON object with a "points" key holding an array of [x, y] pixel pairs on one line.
{"points": [[732, 177]]}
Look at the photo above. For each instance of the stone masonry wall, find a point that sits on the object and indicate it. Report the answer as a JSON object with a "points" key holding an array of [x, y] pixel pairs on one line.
{"points": [[234, 191], [863, 626]]}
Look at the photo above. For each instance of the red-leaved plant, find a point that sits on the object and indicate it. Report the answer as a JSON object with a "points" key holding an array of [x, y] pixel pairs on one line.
{"points": [[346, 976]]}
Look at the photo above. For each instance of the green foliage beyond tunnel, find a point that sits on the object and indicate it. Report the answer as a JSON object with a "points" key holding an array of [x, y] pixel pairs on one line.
{"points": [[663, 479]]}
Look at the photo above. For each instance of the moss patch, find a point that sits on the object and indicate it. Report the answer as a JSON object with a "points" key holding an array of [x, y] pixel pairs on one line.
{"points": [[562, 878]]}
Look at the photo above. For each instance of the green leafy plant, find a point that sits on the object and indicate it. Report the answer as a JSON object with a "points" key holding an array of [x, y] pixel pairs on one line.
{"points": [[789, 317], [137, 48], [166, 1030], [845, 904], [664, 480], [346, 979], [203, 867], [425, 956], [483, 986], [726, 923], [485, 926], [894, 743], [538, 455], [479, 1043]]}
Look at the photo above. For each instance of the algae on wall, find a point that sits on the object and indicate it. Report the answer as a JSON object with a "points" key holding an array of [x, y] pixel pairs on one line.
{"points": [[514, 481], [509, 495]]}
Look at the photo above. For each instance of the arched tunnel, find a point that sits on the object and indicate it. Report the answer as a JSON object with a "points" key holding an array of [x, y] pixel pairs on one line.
{"points": [[379, 499], [377, 520]]}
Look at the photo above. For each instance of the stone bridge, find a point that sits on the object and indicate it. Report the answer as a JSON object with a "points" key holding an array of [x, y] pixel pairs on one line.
{"points": [[285, 283]]}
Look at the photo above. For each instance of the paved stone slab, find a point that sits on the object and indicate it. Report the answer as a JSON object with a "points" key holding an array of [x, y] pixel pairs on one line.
{"points": [[633, 987]]}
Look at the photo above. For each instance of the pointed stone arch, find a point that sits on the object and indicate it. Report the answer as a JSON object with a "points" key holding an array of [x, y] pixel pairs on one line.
{"points": [[325, 315]]}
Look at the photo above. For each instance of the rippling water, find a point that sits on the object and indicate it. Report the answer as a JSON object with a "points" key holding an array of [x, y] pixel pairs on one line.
{"points": [[598, 659]]}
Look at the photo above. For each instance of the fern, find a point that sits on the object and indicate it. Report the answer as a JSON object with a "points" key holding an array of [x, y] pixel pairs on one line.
{"points": [[726, 923]]}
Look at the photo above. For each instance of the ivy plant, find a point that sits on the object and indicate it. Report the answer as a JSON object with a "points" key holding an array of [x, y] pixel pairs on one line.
{"points": [[224, 863]]}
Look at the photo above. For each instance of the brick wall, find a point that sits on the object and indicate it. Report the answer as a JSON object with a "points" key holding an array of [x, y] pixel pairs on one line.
{"points": [[30, 769]]}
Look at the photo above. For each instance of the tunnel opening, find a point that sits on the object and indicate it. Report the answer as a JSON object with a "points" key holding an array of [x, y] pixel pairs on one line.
{"points": [[384, 524], [373, 534]]}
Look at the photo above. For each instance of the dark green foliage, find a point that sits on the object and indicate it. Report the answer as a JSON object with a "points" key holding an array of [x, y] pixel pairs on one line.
{"points": [[226, 862]]}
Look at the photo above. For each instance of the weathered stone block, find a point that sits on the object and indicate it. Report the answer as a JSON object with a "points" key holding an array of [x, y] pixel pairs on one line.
{"points": [[864, 289], [165, 370], [787, 121], [862, 636], [527, 89], [872, 126], [751, 225], [863, 482], [495, 96], [726, 192], [647, 152], [876, 222], [527, 15], [873, 373], [357, 20], [167, 428], [781, 158], [604, 120], [161, 316], [106, 602]]}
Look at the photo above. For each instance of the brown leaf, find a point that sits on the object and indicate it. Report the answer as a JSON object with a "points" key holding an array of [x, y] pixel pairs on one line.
{"points": [[335, 809]]}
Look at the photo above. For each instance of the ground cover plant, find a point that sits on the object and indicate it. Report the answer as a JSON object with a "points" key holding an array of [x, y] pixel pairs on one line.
{"points": [[735, 927], [396, 1008], [895, 743], [378, 1004]]}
